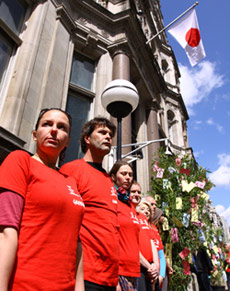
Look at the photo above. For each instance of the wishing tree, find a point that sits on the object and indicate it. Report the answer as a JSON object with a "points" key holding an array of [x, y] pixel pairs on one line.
{"points": [[180, 186]]}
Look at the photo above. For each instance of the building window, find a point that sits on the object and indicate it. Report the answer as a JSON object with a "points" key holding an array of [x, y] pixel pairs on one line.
{"points": [[172, 127], [79, 101], [12, 14], [6, 49], [82, 72]]}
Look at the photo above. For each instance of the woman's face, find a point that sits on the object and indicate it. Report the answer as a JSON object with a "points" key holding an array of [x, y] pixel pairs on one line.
{"points": [[52, 134], [123, 177], [144, 209]]}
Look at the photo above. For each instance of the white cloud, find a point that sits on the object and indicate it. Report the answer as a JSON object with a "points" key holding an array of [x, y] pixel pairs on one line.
{"points": [[217, 125], [221, 177], [197, 83], [225, 213], [198, 154], [210, 121]]}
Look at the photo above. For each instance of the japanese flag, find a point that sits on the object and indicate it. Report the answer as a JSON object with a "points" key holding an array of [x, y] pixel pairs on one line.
{"points": [[186, 32]]}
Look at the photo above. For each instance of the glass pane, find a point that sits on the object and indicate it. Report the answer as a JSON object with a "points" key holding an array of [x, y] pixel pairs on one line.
{"points": [[6, 49], [12, 13], [78, 107], [82, 71]]}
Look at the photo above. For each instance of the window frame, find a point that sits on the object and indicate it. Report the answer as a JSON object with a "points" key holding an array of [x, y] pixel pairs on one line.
{"points": [[12, 37], [75, 90]]}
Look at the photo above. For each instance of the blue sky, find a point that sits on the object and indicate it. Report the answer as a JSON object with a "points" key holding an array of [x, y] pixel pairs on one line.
{"points": [[206, 92]]}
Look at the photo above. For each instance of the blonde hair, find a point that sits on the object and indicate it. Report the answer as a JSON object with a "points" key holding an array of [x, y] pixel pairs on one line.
{"points": [[144, 201]]}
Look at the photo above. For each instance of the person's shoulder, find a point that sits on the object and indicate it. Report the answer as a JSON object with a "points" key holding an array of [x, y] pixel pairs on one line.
{"points": [[73, 163], [18, 161], [73, 166], [18, 155], [141, 216]]}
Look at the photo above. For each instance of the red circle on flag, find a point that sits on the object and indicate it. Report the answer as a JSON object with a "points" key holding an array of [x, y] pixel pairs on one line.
{"points": [[193, 37]]}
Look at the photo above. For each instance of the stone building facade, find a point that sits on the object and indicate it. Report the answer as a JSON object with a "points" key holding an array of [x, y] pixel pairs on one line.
{"points": [[62, 53]]}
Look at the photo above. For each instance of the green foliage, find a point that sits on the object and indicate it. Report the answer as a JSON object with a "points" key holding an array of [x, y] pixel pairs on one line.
{"points": [[172, 180]]}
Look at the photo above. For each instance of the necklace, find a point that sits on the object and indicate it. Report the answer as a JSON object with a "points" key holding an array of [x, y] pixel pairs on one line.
{"points": [[50, 165]]}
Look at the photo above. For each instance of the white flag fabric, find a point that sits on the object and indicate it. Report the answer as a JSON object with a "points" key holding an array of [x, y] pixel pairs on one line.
{"points": [[186, 32]]}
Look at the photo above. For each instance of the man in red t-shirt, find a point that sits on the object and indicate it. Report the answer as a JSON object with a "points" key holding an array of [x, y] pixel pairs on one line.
{"points": [[99, 231]]}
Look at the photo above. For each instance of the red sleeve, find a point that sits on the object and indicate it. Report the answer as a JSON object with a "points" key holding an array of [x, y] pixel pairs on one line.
{"points": [[11, 208], [155, 236], [14, 172]]}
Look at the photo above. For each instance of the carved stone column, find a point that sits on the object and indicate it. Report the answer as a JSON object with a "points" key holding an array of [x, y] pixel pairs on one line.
{"points": [[152, 133], [121, 70]]}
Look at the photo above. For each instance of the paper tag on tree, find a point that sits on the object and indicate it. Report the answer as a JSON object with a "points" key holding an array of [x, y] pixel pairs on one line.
{"points": [[177, 222], [187, 187], [183, 254], [165, 225], [168, 253], [185, 220], [186, 268], [178, 203], [194, 215]]}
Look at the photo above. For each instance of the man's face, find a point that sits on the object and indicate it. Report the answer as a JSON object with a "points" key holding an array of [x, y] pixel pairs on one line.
{"points": [[152, 201], [135, 194], [100, 140]]}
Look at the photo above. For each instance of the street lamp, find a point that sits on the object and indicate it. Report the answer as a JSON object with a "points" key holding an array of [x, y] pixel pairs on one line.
{"points": [[119, 98]]}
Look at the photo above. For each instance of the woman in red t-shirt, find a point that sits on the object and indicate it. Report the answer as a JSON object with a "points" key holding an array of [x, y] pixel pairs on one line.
{"points": [[130, 256], [147, 246], [40, 214]]}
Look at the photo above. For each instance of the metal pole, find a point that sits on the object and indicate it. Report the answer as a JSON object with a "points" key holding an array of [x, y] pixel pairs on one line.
{"points": [[118, 139], [167, 26]]}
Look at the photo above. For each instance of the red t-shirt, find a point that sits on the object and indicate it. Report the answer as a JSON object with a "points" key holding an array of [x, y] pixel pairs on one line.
{"points": [[156, 237], [145, 238], [129, 264], [49, 230], [99, 232]]}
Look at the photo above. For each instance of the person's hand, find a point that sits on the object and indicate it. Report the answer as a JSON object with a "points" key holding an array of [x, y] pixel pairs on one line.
{"points": [[118, 287], [161, 281], [152, 273], [170, 271]]}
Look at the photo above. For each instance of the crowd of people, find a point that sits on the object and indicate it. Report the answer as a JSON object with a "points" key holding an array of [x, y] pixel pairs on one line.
{"points": [[77, 227]]}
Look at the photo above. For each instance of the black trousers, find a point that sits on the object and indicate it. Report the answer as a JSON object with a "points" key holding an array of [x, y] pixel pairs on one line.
{"points": [[204, 282], [90, 286], [143, 283]]}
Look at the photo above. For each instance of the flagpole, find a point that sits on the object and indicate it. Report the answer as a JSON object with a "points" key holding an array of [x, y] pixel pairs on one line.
{"points": [[172, 22]]}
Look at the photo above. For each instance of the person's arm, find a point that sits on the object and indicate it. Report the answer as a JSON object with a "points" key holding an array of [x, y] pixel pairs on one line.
{"points": [[155, 255], [162, 266], [169, 269], [151, 268], [79, 286], [8, 250], [144, 262]]}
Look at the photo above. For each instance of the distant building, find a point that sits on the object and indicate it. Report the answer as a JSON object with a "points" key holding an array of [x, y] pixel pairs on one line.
{"points": [[218, 222], [63, 53]]}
